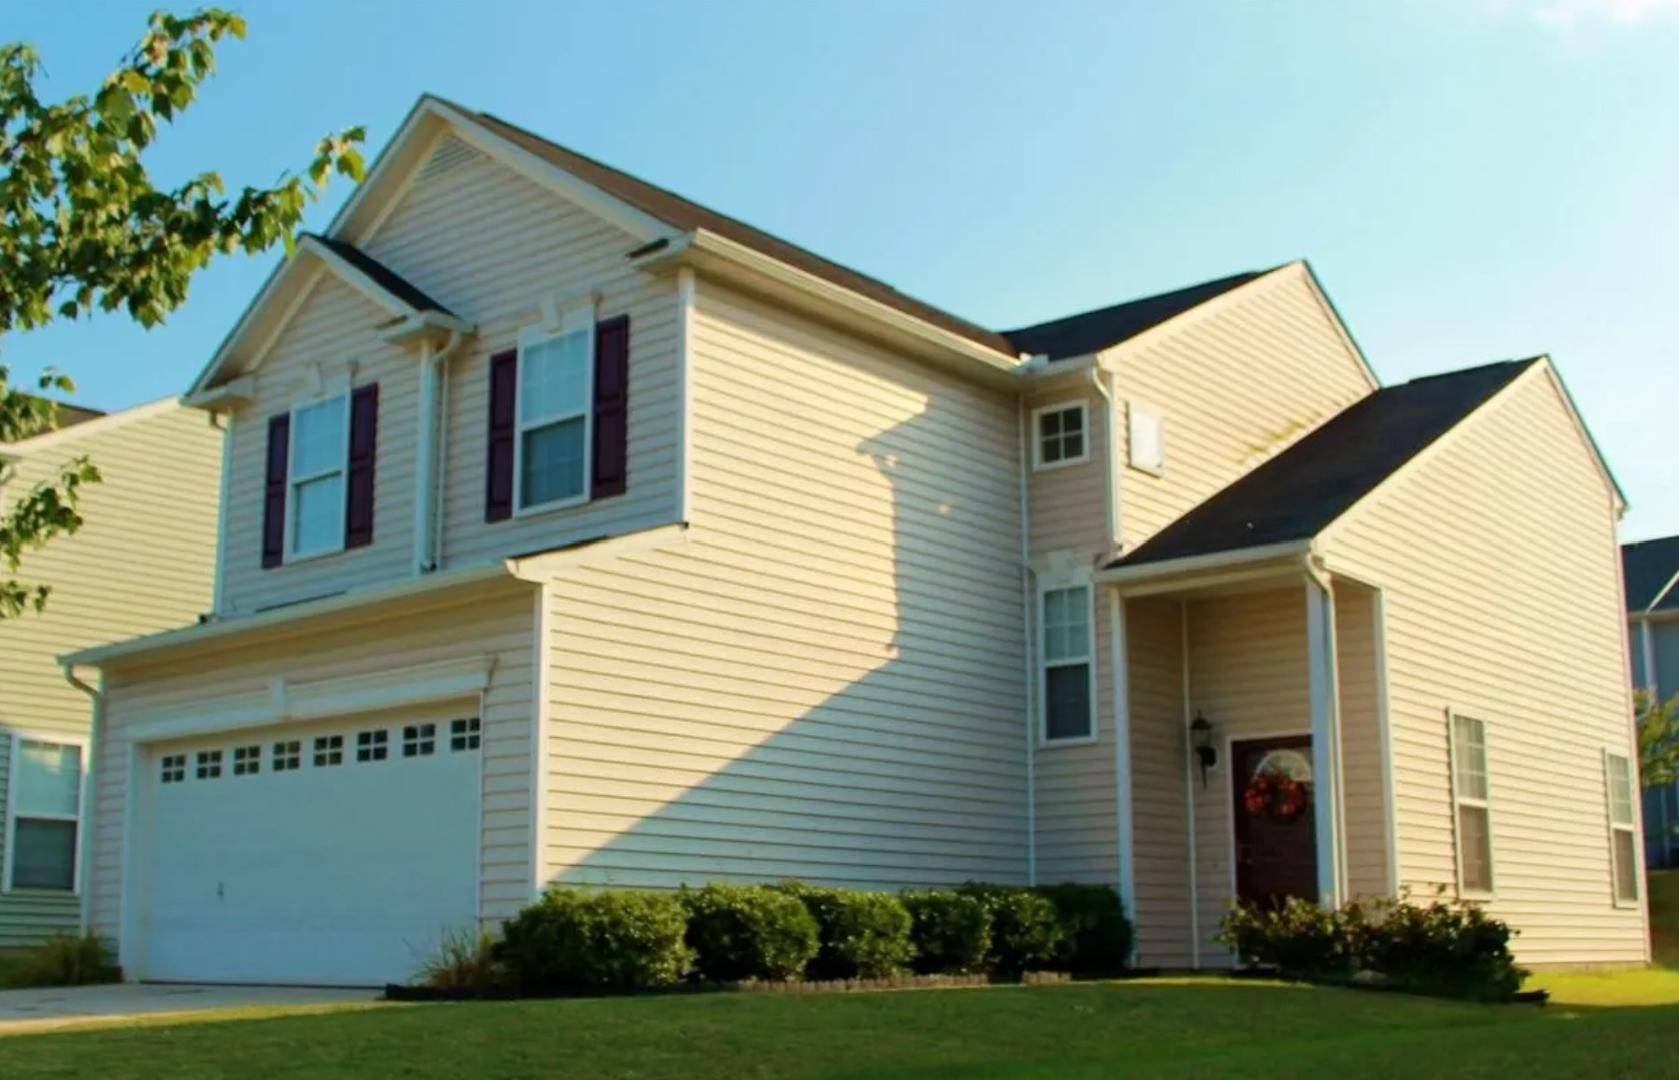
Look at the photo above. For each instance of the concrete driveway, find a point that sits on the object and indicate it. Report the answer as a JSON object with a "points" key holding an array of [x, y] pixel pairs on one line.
{"points": [[38, 1010]]}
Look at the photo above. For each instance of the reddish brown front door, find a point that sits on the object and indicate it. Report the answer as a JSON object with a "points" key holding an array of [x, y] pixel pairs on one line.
{"points": [[1276, 851]]}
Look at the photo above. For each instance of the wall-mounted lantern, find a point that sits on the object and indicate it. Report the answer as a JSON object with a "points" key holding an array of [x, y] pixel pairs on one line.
{"points": [[1201, 739]]}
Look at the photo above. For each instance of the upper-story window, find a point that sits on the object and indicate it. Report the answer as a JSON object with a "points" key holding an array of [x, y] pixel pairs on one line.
{"points": [[319, 456], [1061, 435], [556, 389]]}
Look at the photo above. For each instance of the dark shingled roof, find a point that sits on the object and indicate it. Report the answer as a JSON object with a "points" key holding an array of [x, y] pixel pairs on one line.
{"points": [[1649, 568], [1079, 335], [1298, 493], [387, 279], [681, 213], [71, 415]]}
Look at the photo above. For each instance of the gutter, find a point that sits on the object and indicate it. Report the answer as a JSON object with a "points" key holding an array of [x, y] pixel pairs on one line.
{"points": [[89, 798], [1219, 560]]}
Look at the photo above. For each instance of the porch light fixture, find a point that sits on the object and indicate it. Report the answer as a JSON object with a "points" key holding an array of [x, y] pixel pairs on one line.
{"points": [[1201, 739]]}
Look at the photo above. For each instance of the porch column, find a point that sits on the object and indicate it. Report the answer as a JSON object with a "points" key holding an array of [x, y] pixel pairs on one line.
{"points": [[1328, 815]]}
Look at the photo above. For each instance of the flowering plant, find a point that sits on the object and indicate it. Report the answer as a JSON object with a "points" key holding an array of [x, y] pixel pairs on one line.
{"points": [[1277, 794]]}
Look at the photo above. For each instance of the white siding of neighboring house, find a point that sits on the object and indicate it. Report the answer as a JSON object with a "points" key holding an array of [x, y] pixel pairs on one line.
{"points": [[143, 562], [825, 680], [1496, 553], [499, 626]]}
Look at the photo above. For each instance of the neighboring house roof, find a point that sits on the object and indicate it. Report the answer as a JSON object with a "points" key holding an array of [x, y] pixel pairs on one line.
{"points": [[1651, 570], [1302, 490], [382, 275], [1092, 331], [686, 215], [71, 415]]}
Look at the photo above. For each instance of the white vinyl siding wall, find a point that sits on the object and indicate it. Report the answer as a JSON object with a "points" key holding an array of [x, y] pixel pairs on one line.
{"points": [[826, 679], [143, 562], [1500, 570]]}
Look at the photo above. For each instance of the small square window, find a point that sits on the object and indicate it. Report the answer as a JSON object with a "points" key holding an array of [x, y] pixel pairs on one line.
{"points": [[174, 768], [288, 756], [209, 764], [372, 745], [1061, 435], [247, 760], [418, 740], [329, 751], [464, 734]]}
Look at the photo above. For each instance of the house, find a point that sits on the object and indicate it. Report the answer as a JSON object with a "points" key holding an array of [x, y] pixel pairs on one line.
{"points": [[577, 534], [1651, 572], [144, 561]]}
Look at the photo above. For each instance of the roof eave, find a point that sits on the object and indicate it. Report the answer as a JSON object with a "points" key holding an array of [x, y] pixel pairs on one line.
{"points": [[735, 263], [1193, 571]]}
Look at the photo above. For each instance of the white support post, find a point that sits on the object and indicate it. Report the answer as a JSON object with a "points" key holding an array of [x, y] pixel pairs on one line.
{"points": [[1326, 743], [1119, 660]]}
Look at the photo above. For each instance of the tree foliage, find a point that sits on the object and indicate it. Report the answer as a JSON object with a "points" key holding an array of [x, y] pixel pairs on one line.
{"points": [[1658, 739], [83, 229]]}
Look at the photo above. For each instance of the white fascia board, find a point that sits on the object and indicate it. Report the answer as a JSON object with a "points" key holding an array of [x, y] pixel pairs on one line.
{"points": [[701, 248], [1217, 562]]}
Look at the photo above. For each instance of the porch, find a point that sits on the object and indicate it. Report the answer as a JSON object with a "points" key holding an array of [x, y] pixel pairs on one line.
{"points": [[1275, 673]]}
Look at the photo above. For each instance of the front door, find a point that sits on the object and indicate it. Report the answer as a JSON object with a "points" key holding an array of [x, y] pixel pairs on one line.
{"points": [[1276, 848]]}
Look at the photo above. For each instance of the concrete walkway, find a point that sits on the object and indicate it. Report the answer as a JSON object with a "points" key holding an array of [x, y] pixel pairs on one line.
{"points": [[72, 1006]]}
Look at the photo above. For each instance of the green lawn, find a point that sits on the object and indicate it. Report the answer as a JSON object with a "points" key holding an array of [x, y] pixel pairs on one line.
{"points": [[1154, 1027]]}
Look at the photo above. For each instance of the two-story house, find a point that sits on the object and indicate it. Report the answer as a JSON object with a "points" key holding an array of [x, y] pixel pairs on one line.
{"points": [[1651, 571], [577, 534], [143, 561]]}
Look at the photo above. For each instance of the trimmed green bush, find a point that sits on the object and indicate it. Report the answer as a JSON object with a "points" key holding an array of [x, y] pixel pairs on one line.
{"points": [[951, 932], [1026, 930], [602, 941], [1097, 935], [863, 935], [1442, 949], [749, 932], [1300, 939], [64, 960]]}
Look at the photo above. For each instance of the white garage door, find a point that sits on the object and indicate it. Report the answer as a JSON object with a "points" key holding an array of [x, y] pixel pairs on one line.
{"points": [[327, 855]]}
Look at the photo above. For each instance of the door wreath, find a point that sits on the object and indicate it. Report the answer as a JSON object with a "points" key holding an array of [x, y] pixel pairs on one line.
{"points": [[1276, 795]]}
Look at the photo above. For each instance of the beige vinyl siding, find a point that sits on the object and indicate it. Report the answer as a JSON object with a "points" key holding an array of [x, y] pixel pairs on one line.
{"points": [[490, 246], [1159, 797], [1067, 504], [1497, 556], [1234, 386], [1363, 766], [499, 625], [825, 680], [1248, 675], [143, 561], [335, 326]]}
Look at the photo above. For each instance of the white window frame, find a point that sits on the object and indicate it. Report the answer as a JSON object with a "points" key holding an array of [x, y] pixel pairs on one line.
{"points": [[574, 316], [1045, 587], [1630, 827], [294, 481], [81, 745], [1132, 411], [1038, 462], [1460, 799]]}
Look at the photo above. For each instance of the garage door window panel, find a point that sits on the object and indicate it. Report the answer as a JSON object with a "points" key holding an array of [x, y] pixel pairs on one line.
{"points": [[329, 751], [372, 745], [209, 764], [419, 740], [464, 734]]}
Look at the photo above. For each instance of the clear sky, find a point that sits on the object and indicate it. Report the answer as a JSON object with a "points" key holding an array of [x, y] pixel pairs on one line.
{"points": [[1472, 179]]}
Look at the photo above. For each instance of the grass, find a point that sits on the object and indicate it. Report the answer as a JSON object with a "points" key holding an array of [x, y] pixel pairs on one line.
{"points": [[1161, 1027]]}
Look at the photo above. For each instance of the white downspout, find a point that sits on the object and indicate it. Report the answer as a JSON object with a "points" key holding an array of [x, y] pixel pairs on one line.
{"points": [[84, 838], [218, 586], [433, 453], [1026, 606]]}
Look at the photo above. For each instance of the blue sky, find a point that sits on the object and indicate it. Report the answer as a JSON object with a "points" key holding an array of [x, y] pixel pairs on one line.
{"points": [[1472, 180]]}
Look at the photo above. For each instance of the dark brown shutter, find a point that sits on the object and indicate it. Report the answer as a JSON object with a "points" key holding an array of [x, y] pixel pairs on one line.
{"points": [[504, 398], [612, 406], [274, 496], [364, 447]]}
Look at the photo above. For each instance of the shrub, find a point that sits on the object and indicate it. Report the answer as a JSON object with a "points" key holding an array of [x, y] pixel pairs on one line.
{"points": [[862, 934], [1443, 949], [1026, 930], [749, 932], [65, 960], [1300, 939], [464, 963], [951, 932], [1097, 935], [619, 940]]}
